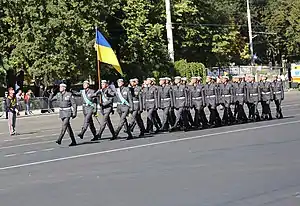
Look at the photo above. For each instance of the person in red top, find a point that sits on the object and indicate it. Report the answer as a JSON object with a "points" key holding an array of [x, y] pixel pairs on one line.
{"points": [[11, 103], [27, 99]]}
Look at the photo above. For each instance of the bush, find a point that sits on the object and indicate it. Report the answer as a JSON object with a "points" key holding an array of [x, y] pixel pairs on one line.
{"points": [[190, 69]]}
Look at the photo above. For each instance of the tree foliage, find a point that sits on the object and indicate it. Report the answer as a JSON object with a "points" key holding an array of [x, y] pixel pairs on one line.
{"points": [[53, 39]]}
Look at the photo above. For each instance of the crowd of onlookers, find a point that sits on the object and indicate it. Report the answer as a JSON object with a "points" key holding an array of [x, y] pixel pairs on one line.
{"points": [[20, 97]]}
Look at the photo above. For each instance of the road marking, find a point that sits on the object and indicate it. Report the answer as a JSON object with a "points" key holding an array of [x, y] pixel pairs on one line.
{"points": [[24, 138], [46, 150], [10, 155], [30, 152], [9, 140], [144, 145]]}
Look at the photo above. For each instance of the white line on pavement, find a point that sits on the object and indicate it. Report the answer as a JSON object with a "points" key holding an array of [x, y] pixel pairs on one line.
{"points": [[144, 145], [10, 155], [46, 150], [30, 152]]}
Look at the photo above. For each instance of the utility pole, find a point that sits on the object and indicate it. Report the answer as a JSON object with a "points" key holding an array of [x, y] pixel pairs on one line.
{"points": [[250, 33], [169, 30]]}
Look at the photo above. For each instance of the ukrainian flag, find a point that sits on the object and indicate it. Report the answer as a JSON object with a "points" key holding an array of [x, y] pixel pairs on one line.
{"points": [[105, 53]]}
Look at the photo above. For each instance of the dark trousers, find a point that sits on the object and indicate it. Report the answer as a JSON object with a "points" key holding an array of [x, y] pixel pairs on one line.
{"points": [[166, 118], [106, 121], [203, 118], [151, 121], [137, 119], [266, 111], [156, 118], [278, 108], [228, 117], [123, 121], [214, 118], [88, 122], [239, 112], [253, 111], [66, 126], [172, 117], [181, 119]]}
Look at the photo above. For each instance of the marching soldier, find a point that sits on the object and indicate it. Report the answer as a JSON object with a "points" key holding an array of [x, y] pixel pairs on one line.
{"points": [[180, 96], [226, 91], [253, 97], [266, 98], [211, 92], [106, 105], [11, 108], [156, 118], [172, 116], [150, 104], [137, 98], [202, 114], [165, 102], [197, 100], [68, 110], [89, 108], [239, 100], [124, 107], [278, 92]]}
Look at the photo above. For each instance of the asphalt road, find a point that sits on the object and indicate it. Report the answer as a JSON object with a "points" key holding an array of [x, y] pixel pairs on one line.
{"points": [[248, 164]]}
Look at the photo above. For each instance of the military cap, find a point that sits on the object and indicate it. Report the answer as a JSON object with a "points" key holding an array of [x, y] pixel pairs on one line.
{"points": [[131, 80], [150, 79], [184, 79], [225, 77], [153, 79], [162, 79], [194, 77], [168, 78], [120, 80], [104, 82], [199, 78], [86, 82], [63, 85], [178, 77]]}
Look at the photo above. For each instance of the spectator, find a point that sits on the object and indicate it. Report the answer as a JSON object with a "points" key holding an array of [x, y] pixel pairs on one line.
{"points": [[19, 98], [27, 99], [4, 105]]}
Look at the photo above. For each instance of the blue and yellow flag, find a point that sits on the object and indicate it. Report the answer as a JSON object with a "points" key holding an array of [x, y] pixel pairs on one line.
{"points": [[105, 53]]}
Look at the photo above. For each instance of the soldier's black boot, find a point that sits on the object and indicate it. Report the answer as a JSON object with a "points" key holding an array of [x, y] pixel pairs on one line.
{"points": [[72, 144], [58, 142], [81, 134]]}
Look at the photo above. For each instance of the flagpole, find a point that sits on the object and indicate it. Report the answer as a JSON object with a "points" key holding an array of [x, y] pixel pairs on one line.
{"points": [[99, 73], [98, 64]]}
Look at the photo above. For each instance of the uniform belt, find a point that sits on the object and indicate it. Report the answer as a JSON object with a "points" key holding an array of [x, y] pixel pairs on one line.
{"points": [[197, 97], [240, 94], [266, 92], [166, 99], [253, 94], [136, 101], [180, 97], [227, 95], [212, 96], [64, 109], [150, 100], [278, 92]]}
